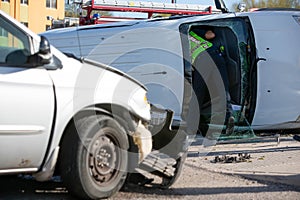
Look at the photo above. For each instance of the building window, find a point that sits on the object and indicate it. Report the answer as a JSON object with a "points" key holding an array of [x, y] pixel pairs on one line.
{"points": [[51, 3], [24, 2], [5, 0]]}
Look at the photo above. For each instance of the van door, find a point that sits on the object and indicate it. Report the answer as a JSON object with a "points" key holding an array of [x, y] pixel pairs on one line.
{"points": [[278, 69], [26, 103], [235, 36]]}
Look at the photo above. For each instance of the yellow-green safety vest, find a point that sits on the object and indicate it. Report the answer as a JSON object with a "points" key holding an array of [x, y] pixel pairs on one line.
{"points": [[197, 45]]}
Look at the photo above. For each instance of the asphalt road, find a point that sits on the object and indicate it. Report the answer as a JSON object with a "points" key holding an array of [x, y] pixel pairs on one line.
{"points": [[199, 180], [194, 183]]}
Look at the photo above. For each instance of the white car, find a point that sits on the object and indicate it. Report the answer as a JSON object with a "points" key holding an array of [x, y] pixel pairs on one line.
{"points": [[261, 49], [84, 120]]}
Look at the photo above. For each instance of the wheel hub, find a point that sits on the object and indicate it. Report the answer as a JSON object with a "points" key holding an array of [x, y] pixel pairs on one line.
{"points": [[102, 159]]}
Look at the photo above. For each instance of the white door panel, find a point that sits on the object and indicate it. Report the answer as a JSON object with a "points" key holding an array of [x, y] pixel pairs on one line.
{"points": [[278, 77], [26, 107]]}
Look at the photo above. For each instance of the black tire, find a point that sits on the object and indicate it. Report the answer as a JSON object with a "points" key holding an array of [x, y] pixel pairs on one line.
{"points": [[94, 157], [168, 182]]}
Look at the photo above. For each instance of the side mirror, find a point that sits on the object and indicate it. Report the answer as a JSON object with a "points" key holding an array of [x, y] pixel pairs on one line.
{"points": [[221, 6], [44, 46], [44, 55]]}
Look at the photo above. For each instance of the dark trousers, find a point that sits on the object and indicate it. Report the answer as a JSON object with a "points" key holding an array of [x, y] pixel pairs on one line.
{"points": [[210, 82]]}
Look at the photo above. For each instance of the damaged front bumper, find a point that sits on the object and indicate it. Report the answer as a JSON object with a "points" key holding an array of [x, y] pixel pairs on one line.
{"points": [[168, 137], [170, 144]]}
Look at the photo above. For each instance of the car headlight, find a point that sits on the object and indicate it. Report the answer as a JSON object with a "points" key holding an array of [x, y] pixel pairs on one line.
{"points": [[158, 116], [139, 104]]}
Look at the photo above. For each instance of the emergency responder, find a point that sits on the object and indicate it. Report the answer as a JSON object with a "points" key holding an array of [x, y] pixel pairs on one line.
{"points": [[203, 71]]}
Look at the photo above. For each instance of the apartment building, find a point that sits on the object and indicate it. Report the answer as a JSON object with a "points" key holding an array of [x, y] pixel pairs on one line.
{"points": [[35, 14]]}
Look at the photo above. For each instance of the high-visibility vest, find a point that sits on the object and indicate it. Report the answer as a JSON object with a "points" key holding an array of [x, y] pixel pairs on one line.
{"points": [[197, 45]]}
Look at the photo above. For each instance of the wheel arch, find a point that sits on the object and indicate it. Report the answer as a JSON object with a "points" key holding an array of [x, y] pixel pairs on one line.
{"points": [[125, 118]]}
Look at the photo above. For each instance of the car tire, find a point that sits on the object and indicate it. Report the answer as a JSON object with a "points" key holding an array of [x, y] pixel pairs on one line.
{"points": [[94, 157]]}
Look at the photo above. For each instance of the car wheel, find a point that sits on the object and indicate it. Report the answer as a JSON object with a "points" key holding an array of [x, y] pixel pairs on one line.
{"points": [[94, 158]]}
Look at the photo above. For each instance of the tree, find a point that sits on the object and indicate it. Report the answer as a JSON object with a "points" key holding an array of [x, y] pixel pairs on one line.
{"points": [[72, 10], [270, 4]]}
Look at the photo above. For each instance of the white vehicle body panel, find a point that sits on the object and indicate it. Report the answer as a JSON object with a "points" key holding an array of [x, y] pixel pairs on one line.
{"points": [[276, 37], [26, 104], [154, 74], [277, 40], [90, 88], [127, 58], [36, 104]]}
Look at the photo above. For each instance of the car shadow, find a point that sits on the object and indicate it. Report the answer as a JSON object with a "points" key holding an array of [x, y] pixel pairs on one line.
{"points": [[19, 188], [24, 187]]}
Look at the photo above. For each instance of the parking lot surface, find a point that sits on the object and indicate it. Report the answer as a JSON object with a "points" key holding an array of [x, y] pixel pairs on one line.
{"points": [[271, 172]]}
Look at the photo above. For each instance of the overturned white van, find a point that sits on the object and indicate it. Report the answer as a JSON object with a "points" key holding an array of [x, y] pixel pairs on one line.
{"points": [[261, 50]]}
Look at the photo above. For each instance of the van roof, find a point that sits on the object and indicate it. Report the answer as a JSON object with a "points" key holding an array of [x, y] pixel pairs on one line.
{"points": [[278, 9], [177, 20]]}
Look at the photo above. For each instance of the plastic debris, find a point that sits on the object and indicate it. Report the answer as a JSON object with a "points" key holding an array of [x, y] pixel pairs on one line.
{"points": [[232, 159]]}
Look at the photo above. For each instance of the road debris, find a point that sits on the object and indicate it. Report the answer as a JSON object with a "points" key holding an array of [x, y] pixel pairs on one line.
{"points": [[232, 159], [296, 137]]}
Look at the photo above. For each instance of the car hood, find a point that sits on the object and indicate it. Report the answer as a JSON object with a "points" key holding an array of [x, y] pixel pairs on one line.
{"points": [[112, 69]]}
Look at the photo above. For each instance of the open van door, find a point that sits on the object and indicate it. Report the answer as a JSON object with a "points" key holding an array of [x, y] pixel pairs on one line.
{"points": [[235, 35]]}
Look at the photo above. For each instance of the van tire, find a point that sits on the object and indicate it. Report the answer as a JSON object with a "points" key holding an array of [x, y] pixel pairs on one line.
{"points": [[94, 157], [168, 182]]}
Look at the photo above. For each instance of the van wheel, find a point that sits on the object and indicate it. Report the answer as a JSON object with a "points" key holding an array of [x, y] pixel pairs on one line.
{"points": [[168, 182], [94, 158]]}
